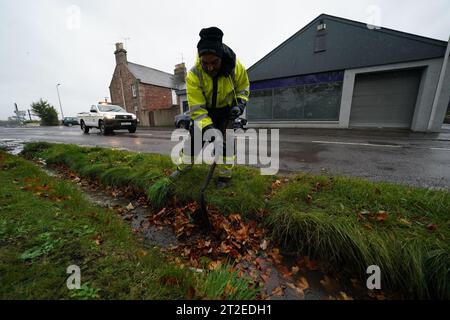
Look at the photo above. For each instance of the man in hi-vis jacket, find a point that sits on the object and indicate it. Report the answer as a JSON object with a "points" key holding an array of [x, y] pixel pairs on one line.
{"points": [[217, 90]]}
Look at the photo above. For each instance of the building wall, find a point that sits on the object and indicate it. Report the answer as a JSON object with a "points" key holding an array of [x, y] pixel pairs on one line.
{"points": [[120, 88], [154, 97], [422, 120], [165, 117], [157, 105]]}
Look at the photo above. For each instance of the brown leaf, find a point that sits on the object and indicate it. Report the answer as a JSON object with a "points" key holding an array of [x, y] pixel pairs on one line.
{"points": [[299, 291], [214, 265], [235, 218], [329, 284], [229, 289], [97, 239], [295, 270], [343, 296], [190, 293], [242, 234], [278, 291], [368, 226], [275, 255], [302, 283], [169, 281], [264, 245], [265, 277], [285, 272], [276, 184], [224, 248], [309, 199], [431, 227], [382, 216], [142, 253], [310, 264]]}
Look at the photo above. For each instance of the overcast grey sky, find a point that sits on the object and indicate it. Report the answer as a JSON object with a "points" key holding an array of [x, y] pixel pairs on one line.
{"points": [[72, 42]]}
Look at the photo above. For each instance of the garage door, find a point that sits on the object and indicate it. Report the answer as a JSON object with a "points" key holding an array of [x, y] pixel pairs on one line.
{"points": [[385, 99]]}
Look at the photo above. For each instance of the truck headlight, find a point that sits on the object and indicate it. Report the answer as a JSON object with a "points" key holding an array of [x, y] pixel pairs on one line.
{"points": [[133, 117], [110, 116]]}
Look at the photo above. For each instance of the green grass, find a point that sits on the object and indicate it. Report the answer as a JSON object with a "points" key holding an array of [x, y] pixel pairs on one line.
{"points": [[223, 281], [313, 215], [413, 259], [149, 173], [46, 226]]}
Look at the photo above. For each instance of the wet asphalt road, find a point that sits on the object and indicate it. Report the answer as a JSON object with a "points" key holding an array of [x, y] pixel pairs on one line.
{"points": [[416, 159]]}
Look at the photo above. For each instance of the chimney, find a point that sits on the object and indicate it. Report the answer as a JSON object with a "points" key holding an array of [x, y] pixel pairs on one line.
{"points": [[180, 73], [121, 54]]}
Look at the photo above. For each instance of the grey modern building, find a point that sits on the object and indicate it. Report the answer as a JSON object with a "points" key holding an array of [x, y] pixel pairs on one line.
{"points": [[338, 73]]}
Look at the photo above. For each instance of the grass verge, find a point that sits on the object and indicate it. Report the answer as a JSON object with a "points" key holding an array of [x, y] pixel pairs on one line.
{"points": [[351, 223], [46, 226]]}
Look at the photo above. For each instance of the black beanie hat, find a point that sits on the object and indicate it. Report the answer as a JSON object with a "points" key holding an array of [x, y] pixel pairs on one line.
{"points": [[210, 41]]}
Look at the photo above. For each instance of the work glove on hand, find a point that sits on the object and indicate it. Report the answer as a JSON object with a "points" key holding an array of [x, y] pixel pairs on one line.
{"points": [[237, 110]]}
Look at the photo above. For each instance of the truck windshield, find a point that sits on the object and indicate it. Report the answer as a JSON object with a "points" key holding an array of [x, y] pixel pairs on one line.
{"points": [[109, 108]]}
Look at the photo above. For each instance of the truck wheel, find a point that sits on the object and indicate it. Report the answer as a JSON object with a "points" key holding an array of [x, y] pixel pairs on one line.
{"points": [[102, 127], [132, 130], [83, 127]]}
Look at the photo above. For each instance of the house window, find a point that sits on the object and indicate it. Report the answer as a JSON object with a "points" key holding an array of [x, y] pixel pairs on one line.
{"points": [[134, 90], [174, 97]]}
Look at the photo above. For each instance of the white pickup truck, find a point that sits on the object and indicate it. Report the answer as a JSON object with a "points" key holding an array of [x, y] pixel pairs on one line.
{"points": [[107, 117]]}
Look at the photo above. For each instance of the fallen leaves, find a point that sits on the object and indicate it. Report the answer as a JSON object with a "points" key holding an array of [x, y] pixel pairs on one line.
{"points": [[330, 285], [278, 291], [229, 290], [302, 283], [381, 216], [275, 256], [97, 239], [343, 296], [264, 245]]}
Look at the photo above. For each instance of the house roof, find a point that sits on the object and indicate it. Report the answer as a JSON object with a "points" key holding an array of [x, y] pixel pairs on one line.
{"points": [[152, 76], [349, 44]]}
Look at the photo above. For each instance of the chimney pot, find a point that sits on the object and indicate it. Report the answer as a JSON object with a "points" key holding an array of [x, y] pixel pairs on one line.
{"points": [[121, 54]]}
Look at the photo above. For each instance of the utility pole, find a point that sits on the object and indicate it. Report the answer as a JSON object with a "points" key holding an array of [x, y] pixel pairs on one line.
{"points": [[60, 106], [29, 114]]}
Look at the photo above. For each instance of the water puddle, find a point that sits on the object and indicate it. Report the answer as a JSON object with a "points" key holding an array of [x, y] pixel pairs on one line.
{"points": [[12, 146]]}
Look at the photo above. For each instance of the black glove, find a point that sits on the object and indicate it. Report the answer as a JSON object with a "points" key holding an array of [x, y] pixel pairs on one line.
{"points": [[237, 110]]}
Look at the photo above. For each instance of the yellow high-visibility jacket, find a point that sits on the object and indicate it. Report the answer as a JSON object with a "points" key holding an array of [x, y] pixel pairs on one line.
{"points": [[232, 84]]}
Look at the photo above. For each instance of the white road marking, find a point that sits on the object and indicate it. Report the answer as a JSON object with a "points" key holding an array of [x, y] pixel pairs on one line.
{"points": [[358, 144], [440, 149]]}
